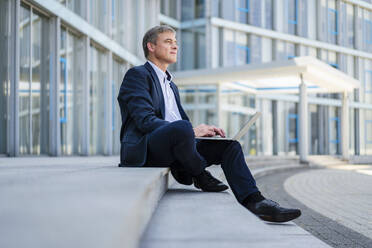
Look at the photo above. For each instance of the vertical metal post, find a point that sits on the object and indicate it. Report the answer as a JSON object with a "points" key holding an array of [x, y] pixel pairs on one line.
{"points": [[30, 83], [86, 107], [345, 126], [303, 121], [13, 124], [109, 109], [55, 70]]}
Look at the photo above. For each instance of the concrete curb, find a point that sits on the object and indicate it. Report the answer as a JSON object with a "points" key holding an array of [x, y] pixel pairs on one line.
{"points": [[77, 205], [139, 217]]}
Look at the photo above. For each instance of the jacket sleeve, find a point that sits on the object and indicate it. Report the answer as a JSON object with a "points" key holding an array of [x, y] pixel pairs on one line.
{"points": [[135, 95]]}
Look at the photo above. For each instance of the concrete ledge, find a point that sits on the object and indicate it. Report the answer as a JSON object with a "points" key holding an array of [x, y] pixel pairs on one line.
{"points": [[362, 159], [52, 203]]}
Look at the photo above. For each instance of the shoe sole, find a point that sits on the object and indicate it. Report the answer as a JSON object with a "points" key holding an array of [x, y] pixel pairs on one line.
{"points": [[280, 218], [212, 190]]}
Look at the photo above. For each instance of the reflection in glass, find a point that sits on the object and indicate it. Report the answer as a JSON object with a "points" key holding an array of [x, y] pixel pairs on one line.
{"points": [[71, 93], [98, 14], [33, 84], [119, 70], [117, 18], [24, 80], [97, 93]]}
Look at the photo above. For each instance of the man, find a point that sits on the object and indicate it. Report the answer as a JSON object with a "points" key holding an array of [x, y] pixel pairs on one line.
{"points": [[157, 132]]}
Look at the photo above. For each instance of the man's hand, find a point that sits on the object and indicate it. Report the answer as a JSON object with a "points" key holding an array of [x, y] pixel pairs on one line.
{"points": [[208, 131]]}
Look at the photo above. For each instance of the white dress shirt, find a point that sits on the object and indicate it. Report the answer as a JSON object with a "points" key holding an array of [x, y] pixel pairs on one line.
{"points": [[171, 109]]}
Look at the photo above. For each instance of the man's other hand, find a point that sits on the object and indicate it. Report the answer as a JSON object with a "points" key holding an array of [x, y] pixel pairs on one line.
{"points": [[208, 131]]}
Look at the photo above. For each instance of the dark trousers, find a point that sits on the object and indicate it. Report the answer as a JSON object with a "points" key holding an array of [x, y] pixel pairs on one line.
{"points": [[174, 145]]}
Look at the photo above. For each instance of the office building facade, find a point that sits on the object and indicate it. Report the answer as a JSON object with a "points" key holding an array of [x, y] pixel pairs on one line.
{"points": [[63, 63]]}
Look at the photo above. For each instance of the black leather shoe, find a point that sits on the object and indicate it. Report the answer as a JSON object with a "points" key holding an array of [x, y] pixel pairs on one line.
{"points": [[269, 210], [181, 177], [208, 183]]}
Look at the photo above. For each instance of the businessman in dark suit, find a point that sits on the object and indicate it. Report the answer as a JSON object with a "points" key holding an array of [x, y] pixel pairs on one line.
{"points": [[157, 132]]}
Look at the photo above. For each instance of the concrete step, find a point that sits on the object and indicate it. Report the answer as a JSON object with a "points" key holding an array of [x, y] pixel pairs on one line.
{"points": [[76, 202], [258, 161], [325, 160], [187, 217]]}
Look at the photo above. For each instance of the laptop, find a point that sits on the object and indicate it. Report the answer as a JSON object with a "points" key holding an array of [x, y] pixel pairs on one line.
{"points": [[240, 134]]}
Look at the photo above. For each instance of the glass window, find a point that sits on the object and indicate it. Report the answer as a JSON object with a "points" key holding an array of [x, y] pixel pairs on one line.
{"points": [[292, 128], [193, 44], [268, 14], [71, 93], [187, 47], [187, 10], [24, 80], [292, 6], [334, 130], [332, 21], [34, 83], [200, 47], [368, 128], [118, 22], [291, 50], [255, 15], [366, 132], [98, 14], [5, 55], [243, 9], [350, 25], [216, 8], [243, 51], [368, 25], [229, 48], [118, 71], [302, 16], [256, 51], [368, 84], [97, 95], [228, 10], [199, 8]]}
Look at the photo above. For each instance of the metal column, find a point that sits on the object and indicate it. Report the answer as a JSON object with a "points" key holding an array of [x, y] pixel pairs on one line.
{"points": [[55, 125], [13, 124], [109, 108], [345, 126], [303, 122], [86, 106]]}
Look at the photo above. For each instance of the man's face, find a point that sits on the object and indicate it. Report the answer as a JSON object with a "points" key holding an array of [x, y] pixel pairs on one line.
{"points": [[165, 49]]}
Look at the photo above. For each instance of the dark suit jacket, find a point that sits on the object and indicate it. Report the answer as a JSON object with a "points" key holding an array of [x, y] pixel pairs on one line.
{"points": [[142, 111]]}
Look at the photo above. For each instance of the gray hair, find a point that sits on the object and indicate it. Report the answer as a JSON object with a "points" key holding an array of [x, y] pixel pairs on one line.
{"points": [[152, 35]]}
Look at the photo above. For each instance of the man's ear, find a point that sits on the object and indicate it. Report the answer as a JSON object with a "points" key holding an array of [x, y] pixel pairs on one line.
{"points": [[150, 47]]}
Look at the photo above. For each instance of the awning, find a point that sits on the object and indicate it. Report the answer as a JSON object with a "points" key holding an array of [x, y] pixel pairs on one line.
{"points": [[274, 77]]}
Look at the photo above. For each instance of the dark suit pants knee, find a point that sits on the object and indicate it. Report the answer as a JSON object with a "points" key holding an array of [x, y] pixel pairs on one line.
{"points": [[174, 145]]}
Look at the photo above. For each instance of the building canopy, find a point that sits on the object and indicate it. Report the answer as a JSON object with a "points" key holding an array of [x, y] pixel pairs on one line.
{"points": [[274, 77]]}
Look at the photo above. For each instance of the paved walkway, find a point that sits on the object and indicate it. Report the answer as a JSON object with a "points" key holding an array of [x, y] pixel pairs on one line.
{"points": [[340, 192]]}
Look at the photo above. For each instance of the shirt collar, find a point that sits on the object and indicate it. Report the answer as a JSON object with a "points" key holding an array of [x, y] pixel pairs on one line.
{"points": [[161, 75]]}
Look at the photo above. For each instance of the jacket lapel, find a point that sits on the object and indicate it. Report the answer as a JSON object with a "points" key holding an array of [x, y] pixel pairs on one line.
{"points": [[157, 87], [178, 101]]}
